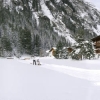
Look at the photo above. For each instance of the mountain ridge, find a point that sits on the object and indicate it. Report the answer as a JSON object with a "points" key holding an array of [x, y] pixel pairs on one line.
{"points": [[47, 22]]}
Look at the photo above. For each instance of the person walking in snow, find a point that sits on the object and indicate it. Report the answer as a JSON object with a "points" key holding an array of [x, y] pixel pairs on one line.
{"points": [[34, 61]]}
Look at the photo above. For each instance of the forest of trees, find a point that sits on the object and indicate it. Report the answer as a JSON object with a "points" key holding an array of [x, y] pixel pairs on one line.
{"points": [[25, 29]]}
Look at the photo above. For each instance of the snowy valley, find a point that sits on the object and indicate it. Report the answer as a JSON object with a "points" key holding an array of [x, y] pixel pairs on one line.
{"points": [[64, 36]]}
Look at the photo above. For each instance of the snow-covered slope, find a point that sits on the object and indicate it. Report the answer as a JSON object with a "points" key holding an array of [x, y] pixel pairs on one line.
{"points": [[20, 80]]}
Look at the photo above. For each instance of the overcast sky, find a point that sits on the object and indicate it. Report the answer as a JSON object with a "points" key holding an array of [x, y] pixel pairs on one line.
{"points": [[96, 3]]}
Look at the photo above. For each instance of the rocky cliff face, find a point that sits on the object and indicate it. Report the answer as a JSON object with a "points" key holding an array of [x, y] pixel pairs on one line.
{"points": [[33, 26]]}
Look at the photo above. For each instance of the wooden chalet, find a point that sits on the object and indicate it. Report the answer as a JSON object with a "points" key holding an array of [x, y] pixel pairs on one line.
{"points": [[52, 51], [69, 49], [96, 42]]}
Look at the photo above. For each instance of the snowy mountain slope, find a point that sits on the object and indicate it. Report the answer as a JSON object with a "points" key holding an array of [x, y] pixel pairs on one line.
{"points": [[51, 20]]}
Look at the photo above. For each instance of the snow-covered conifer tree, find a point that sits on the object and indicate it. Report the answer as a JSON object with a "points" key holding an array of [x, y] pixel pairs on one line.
{"points": [[82, 49]]}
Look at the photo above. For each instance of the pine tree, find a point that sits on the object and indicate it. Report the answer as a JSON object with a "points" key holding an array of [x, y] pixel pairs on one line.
{"points": [[6, 45], [89, 51], [25, 38], [82, 49], [37, 45], [36, 5], [59, 48]]}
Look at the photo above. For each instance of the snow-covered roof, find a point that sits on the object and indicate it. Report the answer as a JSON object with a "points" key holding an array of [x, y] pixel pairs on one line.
{"points": [[47, 51], [54, 47], [77, 51]]}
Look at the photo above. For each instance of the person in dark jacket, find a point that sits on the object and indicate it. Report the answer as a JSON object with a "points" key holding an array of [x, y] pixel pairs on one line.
{"points": [[34, 61]]}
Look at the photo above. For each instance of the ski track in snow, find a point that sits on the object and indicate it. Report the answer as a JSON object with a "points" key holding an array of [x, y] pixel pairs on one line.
{"points": [[90, 75], [87, 74]]}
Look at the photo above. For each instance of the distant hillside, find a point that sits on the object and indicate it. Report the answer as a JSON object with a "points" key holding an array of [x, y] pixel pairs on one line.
{"points": [[33, 26]]}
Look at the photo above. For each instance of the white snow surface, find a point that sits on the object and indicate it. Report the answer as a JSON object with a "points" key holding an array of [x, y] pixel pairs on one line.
{"points": [[97, 31], [54, 79], [37, 17], [98, 28], [45, 10]]}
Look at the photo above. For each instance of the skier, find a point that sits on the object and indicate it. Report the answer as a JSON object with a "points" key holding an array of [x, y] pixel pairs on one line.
{"points": [[34, 61]]}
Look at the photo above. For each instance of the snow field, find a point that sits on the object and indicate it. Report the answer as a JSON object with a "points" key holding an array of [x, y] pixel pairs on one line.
{"points": [[88, 69], [53, 80]]}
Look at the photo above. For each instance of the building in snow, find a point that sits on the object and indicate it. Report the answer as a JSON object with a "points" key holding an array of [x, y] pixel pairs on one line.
{"points": [[52, 51], [96, 43], [69, 49]]}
